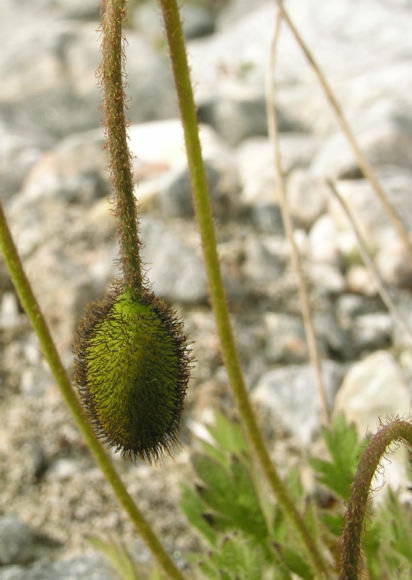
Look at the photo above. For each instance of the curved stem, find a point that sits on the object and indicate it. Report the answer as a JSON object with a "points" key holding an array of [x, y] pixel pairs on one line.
{"points": [[395, 431], [288, 225], [204, 218], [111, 74], [360, 157], [35, 315]]}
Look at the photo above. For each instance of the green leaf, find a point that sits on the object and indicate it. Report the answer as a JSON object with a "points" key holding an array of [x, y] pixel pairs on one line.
{"points": [[193, 508], [398, 527], [118, 556], [236, 558], [333, 522], [227, 434], [344, 448], [296, 563]]}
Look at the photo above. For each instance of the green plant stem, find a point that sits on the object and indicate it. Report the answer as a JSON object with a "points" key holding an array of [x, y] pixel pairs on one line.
{"points": [[35, 315], [394, 432], [111, 74], [204, 218]]}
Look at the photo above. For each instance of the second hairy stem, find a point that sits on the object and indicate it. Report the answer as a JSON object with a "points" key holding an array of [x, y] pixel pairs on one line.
{"points": [[204, 218], [111, 74]]}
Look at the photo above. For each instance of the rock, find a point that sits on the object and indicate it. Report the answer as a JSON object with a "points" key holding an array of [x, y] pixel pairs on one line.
{"points": [[9, 311], [236, 115], [18, 153], [48, 67], [373, 390], [236, 10], [352, 70], [160, 169], [85, 567], [385, 137], [175, 197], [290, 394], [78, 9], [307, 197], [74, 171], [265, 258], [359, 281], [371, 331], [323, 243], [369, 211], [255, 161], [176, 271], [331, 338], [393, 263], [351, 305], [327, 278], [16, 541], [285, 341]]}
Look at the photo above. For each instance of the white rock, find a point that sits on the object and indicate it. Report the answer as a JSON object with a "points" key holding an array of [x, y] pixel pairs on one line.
{"points": [[374, 389], [323, 241], [307, 198], [290, 394]]}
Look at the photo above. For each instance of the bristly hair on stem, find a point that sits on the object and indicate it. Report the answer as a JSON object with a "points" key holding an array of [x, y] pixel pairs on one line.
{"points": [[396, 431], [111, 74]]}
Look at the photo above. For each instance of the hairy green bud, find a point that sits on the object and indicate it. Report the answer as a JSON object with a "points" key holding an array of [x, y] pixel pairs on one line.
{"points": [[132, 369]]}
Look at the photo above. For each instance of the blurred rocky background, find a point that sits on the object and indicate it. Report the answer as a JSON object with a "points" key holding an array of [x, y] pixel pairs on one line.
{"points": [[53, 183]]}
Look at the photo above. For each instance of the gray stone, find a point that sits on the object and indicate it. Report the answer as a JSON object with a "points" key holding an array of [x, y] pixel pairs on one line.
{"points": [[327, 278], [9, 311], [175, 198], [323, 241], [350, 306], [77, 9], [265, 258], [373, 390], [307, 198], [18, 153], [285, 338], [393, 263], [48, 68], [86, 567], [352, 69], [74, 171], [290, 394], [176, 271], [369, 211], [331, 338], [16, 541], [237, 115], [385, 137], [371, 331]]}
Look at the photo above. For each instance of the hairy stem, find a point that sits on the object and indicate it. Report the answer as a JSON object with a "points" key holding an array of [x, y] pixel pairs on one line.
{"points": [[204, 218], [288, 225], [350, 554], [38, 322], [111, 73], [364, 165]]}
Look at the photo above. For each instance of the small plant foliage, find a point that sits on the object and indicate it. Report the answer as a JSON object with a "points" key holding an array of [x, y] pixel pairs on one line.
{"points": [[247, 538]]}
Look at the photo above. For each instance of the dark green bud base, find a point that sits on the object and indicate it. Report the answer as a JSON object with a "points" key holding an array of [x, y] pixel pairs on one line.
{"points": [[132, 369]]}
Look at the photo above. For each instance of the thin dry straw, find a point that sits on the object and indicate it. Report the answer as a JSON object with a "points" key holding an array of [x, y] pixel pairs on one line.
{"points": [[360, 157], [287, 222], [369, 263]]}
